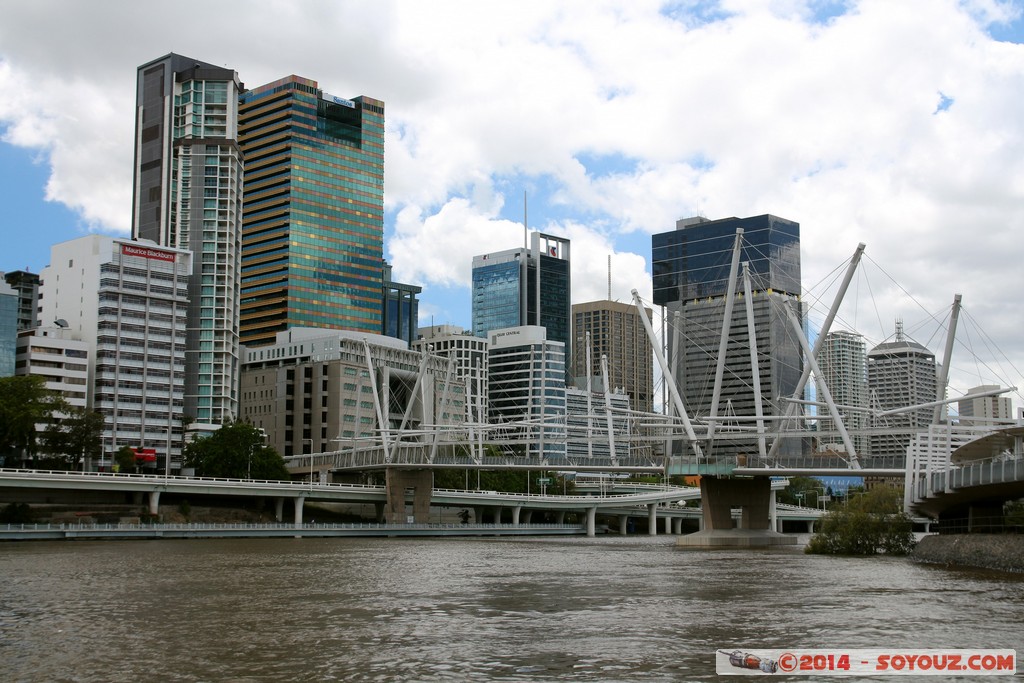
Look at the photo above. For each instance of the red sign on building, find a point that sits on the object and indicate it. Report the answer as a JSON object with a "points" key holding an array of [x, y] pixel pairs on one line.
{"points": [[146, 252]]}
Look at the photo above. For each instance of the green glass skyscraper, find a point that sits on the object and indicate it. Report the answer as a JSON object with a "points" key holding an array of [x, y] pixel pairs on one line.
{"points": [[313, 216]]}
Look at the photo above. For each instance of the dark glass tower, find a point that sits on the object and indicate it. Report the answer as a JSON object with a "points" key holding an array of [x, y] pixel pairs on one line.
{"points": [[524, 287], [691, 273], [313, 220]]}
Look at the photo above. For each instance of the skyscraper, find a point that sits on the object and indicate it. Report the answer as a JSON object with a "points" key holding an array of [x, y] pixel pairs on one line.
{"points": [[518, 287], [901, 373], [617, 332], [399, 308], [8, 328], [843, 364], [188, 195], [691, 267], [314, 210]]}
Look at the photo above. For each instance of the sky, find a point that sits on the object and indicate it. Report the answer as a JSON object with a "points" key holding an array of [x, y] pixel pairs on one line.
{"points": [[893, 124]]}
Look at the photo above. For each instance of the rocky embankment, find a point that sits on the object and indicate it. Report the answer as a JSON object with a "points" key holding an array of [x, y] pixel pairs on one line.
{"points": [[1004, 552]]}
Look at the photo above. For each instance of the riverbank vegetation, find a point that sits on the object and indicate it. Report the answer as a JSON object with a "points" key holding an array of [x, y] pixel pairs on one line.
{"points": [[866, 524]]}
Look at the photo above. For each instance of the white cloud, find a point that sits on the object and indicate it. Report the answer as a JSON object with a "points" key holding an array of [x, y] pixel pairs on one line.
{"points": [[629, 115]]}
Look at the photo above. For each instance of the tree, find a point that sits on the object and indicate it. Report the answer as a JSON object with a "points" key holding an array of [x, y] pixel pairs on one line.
{"points": [[125, 459], [801, 491], [235, 451], [866, 525], [74, 437], [24, 403]]}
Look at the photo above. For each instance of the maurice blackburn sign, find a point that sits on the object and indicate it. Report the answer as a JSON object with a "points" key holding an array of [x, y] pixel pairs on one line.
{"points": [[146, 252]]}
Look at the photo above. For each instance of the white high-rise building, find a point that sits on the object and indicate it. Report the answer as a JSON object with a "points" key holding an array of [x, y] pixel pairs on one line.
{"points": [[127, 301], [843, 364], [470, 362], [188, 195], [61, 357], [526, 390], [987, 410]]}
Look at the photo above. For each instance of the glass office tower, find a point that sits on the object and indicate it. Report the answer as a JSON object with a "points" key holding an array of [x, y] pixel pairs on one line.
{"points": [[188, 195], [691, 272], [523, 286], [314, 210]]}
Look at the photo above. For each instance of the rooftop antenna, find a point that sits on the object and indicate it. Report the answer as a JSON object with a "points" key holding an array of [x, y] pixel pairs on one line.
{"points": [[526, 230], [609, 277]]}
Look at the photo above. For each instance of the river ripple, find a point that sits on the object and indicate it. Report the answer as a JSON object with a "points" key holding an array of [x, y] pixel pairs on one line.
{"points": [[501, 609]]}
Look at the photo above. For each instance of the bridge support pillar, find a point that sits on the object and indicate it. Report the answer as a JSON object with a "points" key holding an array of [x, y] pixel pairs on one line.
{"points": [[773, 511], [515, 514], [560, 517], [397, 482], [154, 502], [623, 524], [497, 514], [591, 517], [279, 509], [677, 526], [719, 495], [810, 526], [527, 516], [668, 525], [299, 502], [652, 519]]}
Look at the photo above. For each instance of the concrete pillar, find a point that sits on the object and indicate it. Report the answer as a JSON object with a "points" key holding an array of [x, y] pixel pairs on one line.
{"points": [[668, 524], [652, 519], [677, 526], [560, 517], [515, 514], [497, 514], [478, 515], [591, 516], [773, 512], [527, 516], [397, 482], [720, 494], [623, 524], [279, 509], [810, 526], [154, 502], [299, 502]]}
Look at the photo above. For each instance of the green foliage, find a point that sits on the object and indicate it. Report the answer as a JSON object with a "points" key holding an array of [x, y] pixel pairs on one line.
{"points": [[16, 513], [24, 402], [235, 451], [125, 459], [506, 481], [866, 525], [801, 491], [75, 437]]}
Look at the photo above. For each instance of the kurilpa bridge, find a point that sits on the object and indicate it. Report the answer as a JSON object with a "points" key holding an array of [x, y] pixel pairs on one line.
{"points": [[677, 444]]}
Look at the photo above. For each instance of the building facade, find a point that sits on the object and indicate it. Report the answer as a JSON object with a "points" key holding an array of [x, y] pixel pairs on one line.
{"points": [[986, 410], [468, 354], [901, 373], [616, 332], [316, 391], [128, 301], [526, 391], [691, 266], [61, 357], [525, 286], [188, 195], [400, 308], [314, 210], [842, 360], [589, 421], [27, 286]]}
